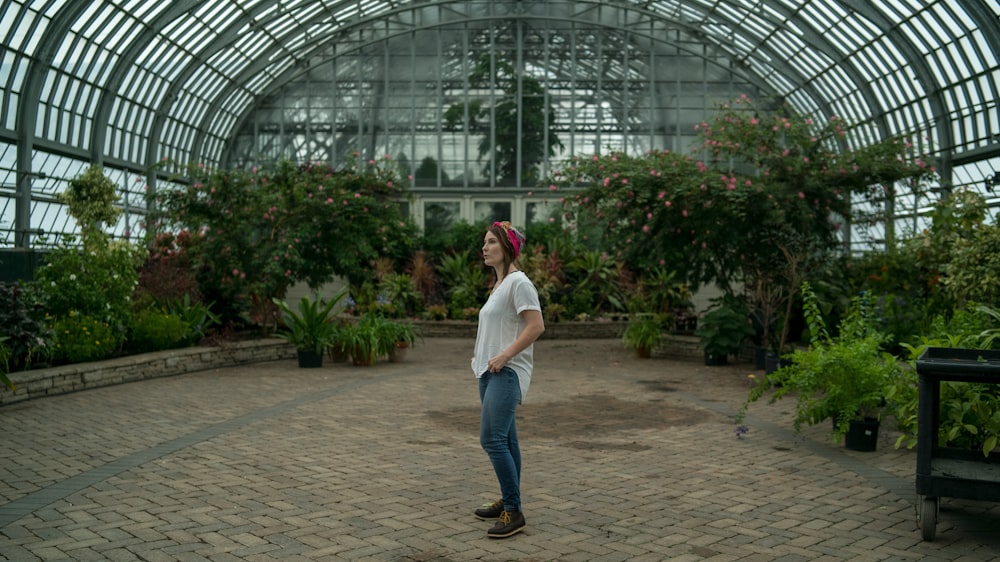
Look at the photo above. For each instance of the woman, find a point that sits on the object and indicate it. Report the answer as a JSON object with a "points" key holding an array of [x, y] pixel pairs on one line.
{"points": [[509, 324]]}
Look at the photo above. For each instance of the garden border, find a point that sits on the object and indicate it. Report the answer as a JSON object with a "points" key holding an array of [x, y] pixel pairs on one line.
{"points": [[51, 381]]}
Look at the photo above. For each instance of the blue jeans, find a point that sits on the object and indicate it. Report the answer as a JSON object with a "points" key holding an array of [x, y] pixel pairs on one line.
{"points": [[500, 393]]}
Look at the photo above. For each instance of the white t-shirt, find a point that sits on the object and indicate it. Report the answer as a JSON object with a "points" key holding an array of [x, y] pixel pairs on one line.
{"points": [[500, 323]]}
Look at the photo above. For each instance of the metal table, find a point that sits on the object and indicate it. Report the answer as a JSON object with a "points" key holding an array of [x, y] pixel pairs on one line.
{"points": [[948, 471]]}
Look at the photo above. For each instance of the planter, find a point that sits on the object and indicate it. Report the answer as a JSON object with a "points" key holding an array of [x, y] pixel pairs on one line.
{"points": [[760, 357], [398, 352], [716, 359], [862, 435], [338, 353], [362, 357], [773, 362], [309, 359]]}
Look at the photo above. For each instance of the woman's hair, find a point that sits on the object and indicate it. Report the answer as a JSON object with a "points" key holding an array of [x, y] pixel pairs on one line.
{"points": [[510, 252]]}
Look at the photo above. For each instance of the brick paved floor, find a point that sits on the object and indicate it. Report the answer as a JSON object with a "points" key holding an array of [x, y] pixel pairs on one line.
{"points": [[624, 459]]}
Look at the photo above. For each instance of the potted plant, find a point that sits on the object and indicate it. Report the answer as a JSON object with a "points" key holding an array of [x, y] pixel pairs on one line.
{"points": [[723, 330], [309, 328], [643, 334], [402, 335], [371, 337], [339, 349], [843, 378]]}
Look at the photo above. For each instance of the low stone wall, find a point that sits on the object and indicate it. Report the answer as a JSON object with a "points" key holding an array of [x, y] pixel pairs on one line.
{"points": [[39, 383], [80, 376], [553, 330]]}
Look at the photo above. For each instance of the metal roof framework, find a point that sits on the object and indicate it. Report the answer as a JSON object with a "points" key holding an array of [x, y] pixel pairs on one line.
{"points": [[128, 83]]}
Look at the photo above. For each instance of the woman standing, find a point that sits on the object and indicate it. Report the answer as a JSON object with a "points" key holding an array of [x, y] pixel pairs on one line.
{"points": [[509, 324]]}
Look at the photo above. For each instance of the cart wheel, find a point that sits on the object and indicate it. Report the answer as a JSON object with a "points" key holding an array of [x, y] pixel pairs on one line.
{"points": [[928, 518]]}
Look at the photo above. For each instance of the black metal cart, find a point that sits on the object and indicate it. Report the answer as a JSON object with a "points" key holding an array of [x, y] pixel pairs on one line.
{"points": [[946, 471]]}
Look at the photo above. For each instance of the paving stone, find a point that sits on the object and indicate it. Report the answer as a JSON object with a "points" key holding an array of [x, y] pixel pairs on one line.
{"points": [[270, 462]]}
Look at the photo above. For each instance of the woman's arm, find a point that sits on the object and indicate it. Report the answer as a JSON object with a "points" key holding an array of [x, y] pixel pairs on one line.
{"points": [[534, 326]]}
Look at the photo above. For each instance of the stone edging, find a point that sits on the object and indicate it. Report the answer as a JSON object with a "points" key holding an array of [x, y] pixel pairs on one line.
{"points": [[38, 383], [51, 381]]}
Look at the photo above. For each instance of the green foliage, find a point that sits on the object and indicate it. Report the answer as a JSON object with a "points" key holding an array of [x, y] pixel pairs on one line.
{"points": [[91, 198], [373, 336], [524, 124], [28, 338], [725, 327], [97, 282], [970, 412], [254, 234], [155, 330], [643, 333], [80, 338], [973, 272], [400, 290], [311, 326], [96, 279], [436, 312], [751, 207], [464, 283], [197, 316], [598, 278], [5, 354], [845, 377]]}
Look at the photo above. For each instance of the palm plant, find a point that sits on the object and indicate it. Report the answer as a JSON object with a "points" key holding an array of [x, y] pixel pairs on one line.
{"points": [[310, 327]]}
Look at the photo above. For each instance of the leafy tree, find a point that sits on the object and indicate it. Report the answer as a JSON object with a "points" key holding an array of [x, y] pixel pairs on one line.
{"points": [[512, 128], [761, 207], [253, 234]]}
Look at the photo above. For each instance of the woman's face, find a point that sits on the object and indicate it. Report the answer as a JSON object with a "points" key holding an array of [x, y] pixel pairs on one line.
{"points": [[492, 250]]}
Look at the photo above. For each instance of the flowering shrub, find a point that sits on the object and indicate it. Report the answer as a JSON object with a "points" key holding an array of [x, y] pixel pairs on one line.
{"points": [[758, 203], [81, 338], [97, 282], [96, 278], [254, 233]]}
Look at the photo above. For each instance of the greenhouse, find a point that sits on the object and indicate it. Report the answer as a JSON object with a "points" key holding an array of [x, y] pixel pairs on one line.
{"points": [[748, 249], [128, 85]]}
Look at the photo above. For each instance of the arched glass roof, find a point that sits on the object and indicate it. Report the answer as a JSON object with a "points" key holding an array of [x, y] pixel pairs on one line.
{"points": [[130, 83]]}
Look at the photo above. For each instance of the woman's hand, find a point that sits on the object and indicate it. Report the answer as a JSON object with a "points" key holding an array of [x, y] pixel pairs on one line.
{"points": [[498, 362], [534, 326]]}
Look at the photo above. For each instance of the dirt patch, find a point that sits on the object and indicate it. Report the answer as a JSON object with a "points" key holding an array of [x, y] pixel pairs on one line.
{"points": [[583, 416]]}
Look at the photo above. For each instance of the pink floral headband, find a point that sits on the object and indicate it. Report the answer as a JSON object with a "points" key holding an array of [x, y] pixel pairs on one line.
{"points": [[516, 238]]}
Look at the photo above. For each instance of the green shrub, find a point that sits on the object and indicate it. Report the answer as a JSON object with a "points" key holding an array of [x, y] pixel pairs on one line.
{"points": [[81, 338], [155, 330], [22, 320]]}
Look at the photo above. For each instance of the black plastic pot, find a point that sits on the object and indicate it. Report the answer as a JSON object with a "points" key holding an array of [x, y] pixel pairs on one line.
{"points": [[309, 359], [716, 359], [862, 435]]}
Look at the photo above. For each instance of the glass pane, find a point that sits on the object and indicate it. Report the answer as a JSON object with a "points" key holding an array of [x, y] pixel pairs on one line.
{"points": [[487, 212]]}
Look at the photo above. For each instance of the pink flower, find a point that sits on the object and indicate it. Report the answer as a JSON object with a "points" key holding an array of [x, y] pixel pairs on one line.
{"points": [[645, 228], [666, 203], [553, 188], [802, 195]]}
